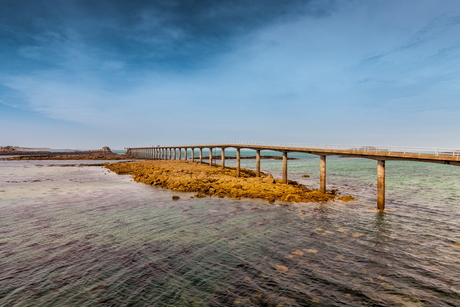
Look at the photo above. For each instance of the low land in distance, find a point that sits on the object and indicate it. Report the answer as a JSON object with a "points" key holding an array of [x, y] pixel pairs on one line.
{"points": [[101, 154]]}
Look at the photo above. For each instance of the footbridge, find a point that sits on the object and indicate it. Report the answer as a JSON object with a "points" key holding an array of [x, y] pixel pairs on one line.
{"points": [[378, 153]]}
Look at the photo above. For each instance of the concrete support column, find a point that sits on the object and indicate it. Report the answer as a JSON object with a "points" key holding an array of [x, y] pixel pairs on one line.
{"points": [[180, 153], [285, 167], [193, 154], [169, 153], [185, 154], [175, 150], [381, 185], [210, 156], [201, 155], [258, 163], [238, 162], [322, 174], [222, 157]]}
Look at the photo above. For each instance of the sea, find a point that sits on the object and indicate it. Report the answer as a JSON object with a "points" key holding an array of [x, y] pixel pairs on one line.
{"points": [[72, 234]]}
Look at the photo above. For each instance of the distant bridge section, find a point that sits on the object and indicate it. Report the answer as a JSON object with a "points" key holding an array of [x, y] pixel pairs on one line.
{"points": [[378, 153]]}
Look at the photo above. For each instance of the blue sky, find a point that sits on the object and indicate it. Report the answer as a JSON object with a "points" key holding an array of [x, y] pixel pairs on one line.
{"points": [[87, 74]]}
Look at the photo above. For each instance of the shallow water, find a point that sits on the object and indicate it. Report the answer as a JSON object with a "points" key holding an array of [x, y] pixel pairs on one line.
{"points": [[84, 236]]}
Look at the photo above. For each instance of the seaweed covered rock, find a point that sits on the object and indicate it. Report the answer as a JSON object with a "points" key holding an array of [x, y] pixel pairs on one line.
{"points": [[202, 179]]}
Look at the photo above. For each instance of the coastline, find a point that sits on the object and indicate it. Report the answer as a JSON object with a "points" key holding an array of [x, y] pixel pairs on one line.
{"points": [[101, 154], [205, 180]]}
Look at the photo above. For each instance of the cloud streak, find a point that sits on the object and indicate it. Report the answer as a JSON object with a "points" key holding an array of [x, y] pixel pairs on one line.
{"points": [[233, 70]]}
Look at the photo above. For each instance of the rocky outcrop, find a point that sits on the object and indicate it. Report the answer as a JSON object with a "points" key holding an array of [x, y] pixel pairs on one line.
{"points": [[8, 149], [202, 179]]}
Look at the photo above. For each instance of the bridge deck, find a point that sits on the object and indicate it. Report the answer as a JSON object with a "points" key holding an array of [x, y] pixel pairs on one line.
{"points": [[452, 157]]}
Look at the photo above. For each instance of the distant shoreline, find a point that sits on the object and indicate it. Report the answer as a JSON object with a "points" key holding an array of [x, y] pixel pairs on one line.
{"points": [[101, 154]]}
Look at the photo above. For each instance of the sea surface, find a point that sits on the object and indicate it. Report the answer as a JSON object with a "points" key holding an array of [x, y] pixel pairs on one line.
{"points": [[84, 236]]}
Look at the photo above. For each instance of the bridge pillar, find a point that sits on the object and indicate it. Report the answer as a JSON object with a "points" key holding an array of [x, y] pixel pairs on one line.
{"points": [[222, 157], [201, 155], [322, 174], [169, 153], [185, 154], [258, 163], [381, 185], [210, 156], [193, 154], [180, 153], [238, 162], [174, 153], [285, 167]]}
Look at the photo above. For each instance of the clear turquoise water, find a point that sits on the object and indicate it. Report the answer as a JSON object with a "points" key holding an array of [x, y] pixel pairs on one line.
{"points": [[83, 236]]}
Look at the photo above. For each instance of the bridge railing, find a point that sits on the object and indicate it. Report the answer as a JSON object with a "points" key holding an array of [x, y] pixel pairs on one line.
{"points": [[361, 148]]}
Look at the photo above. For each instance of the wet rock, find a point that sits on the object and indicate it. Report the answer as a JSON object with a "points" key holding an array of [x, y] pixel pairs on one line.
{"points": [[346, 198], [280, 267], [205, 180]]}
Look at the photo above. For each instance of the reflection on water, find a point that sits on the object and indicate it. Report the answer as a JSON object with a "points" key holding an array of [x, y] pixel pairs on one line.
{"points": [[83, 236]]}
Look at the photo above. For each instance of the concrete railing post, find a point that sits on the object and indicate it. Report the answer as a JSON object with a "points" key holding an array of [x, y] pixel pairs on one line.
{"points": [[322, 174], [222, 157], [381, 185], [285, 167], [238, 162], [258, 163]]}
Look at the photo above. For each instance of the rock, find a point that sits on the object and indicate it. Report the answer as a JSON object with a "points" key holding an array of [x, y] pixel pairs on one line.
{"points": [[175, 197], [280, 267], [205, 180], [8, 148], [306, 176], [346, 198]]}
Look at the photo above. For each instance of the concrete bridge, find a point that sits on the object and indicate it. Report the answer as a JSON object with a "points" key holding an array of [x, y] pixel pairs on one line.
{"points": [[378, 153]]}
